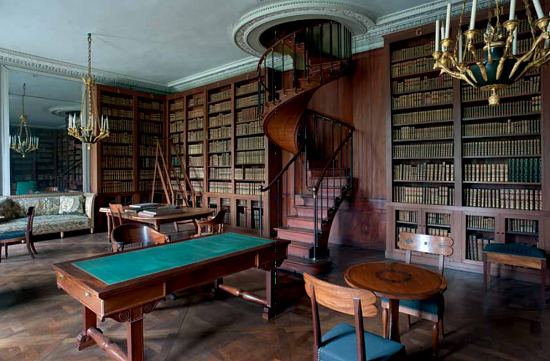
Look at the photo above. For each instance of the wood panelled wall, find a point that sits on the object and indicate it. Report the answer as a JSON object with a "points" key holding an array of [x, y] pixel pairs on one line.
{"points": [[361, 100]]}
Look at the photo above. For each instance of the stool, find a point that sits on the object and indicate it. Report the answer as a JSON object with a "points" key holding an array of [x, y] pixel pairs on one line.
{"points": [[517, 255]]}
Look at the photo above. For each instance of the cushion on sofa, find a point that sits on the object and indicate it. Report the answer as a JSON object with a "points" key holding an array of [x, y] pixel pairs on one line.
{"points": [[71, 205], [49, 223], [518, 249], [43, 205], [8, 209]]}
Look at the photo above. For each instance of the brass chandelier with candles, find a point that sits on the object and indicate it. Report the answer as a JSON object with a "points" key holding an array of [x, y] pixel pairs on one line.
{"points": [[90, 128], [23, 142], [500, 65]]}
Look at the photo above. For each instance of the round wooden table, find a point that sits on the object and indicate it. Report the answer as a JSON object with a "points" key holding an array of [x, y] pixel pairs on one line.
{"points": [[395, 281]]}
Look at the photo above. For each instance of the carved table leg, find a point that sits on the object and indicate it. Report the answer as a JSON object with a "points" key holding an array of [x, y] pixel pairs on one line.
{"points": [[90, 320], [269, 309], [394, 320]]}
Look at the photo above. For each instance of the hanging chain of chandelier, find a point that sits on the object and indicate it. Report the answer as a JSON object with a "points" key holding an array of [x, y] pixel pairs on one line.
{"points": [[500, 65], [89, 128], [23, 142]]}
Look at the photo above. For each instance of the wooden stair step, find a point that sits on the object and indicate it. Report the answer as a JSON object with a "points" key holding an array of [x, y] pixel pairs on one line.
{"points": [[308, 211], [302, 222], [307, 200], [295, 234], [300, 249]]}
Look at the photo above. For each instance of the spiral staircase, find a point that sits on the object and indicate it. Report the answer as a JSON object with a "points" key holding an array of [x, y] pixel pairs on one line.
{"points": [[290, 71]]}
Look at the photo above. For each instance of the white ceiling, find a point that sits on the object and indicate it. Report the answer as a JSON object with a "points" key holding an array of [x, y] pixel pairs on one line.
{"points": [[154, 40]]}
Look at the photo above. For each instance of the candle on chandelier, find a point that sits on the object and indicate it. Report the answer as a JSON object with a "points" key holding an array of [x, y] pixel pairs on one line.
{"points": [[473, 16], [442, 32], [460, 41], [515, 42], [538, 8], [448, 22], [512, 10], [437, 38]]}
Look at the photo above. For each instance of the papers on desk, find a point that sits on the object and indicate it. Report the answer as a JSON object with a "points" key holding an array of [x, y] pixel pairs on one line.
{"points": [[160, 211]]}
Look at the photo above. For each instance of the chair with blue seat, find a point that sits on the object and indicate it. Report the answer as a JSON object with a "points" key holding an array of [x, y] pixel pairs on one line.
{"points": [[346, 342], [433, 308], [19, 236]]}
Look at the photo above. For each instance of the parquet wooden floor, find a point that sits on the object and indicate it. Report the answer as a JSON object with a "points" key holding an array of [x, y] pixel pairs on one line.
{"points": [[39, 322]]}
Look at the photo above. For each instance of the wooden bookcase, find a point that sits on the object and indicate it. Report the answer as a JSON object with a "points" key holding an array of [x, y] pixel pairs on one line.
{"points": [[457, 167]]}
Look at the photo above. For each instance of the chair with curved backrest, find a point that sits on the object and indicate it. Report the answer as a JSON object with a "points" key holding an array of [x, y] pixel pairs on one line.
{"points": [[22, 236], [139, 235], [212, 226], [116, 214], [344, 341], [433, 308]]}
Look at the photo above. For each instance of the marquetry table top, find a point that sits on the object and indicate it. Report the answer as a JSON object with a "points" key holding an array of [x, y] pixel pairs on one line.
{"points": [[395, 280]]}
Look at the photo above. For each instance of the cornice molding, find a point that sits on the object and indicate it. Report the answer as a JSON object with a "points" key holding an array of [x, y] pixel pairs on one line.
{"points": [[247, 30]]}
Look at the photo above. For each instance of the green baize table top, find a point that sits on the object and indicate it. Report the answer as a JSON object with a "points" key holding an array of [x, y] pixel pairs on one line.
{"points": [[127, 266]]}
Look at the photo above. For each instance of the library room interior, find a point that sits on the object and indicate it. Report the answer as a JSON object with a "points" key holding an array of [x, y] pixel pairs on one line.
{"points": [[274, 180]]}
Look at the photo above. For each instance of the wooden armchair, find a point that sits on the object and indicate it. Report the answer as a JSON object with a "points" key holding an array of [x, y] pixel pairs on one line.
{"points": [[139, 235], [211, 226], [433, 308], [116, 214], [23, 236], [344, 341]]}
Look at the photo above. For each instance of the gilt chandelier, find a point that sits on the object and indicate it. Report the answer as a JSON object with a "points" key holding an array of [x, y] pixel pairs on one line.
{"points": [[90, 128], [500, 64], [23, 142]]}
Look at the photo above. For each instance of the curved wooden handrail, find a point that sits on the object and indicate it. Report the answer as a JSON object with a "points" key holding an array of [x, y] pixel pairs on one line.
{"points": [[315, 188]]}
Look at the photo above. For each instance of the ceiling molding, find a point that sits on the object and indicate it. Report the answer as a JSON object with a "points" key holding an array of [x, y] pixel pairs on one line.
{"points": [[247, 30], [56, 67]]}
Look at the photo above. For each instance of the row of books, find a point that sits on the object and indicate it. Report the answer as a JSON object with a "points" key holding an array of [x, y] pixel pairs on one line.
{"points": [[249, 101], [249, 174], [195, 149], [249, 128], [526, 170], [524, 199], [509, 127], [176, 127], [150, 127], [424, 195], [250, 157], [425, 116], [149, 139], [117, 162], [119, 138], [441, 232], [411, 67], [421, 84], [120, 125], [196, 161], [219, 146], [221, 95], [426, 98], [117, 150], [218, 133], [413, 51], [504, 109], [429, 172], [149, 105], [179, 115], [117, 100], [115, 112], [194, 124], [219, 120], [220, 173], [178, 137], [413, 133], [147, 151], [196, 172], [116, 186], [474, 246], [146, 162], [522, 225], [219, 187], [219, 107], [480, 222], [429, 150], [151, 117], [117, 174], [220, 160], [442, 219], [406, 229], [407, 216], [195, 136], [197, 186], [147, 186], [521, 86], [502, 147], [247, 115], [196, 113], [195, 101], [177, 104], [247, 188], [147, 174], [250, 143], [246, 89]]}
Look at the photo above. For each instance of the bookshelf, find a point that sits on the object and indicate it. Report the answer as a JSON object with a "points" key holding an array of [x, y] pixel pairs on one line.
{"points": [[460, 168]]}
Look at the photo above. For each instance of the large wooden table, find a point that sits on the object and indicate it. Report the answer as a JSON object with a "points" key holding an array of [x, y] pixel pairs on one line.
{"points": [[127, 285], [395, 281]]}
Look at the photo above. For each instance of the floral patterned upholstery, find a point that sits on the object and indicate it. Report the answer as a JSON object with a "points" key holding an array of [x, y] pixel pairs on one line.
{"points": [[47, 218]]}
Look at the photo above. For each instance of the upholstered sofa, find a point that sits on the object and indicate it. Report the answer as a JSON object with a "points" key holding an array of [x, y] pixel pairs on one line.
{"points": [[54, 212]]}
